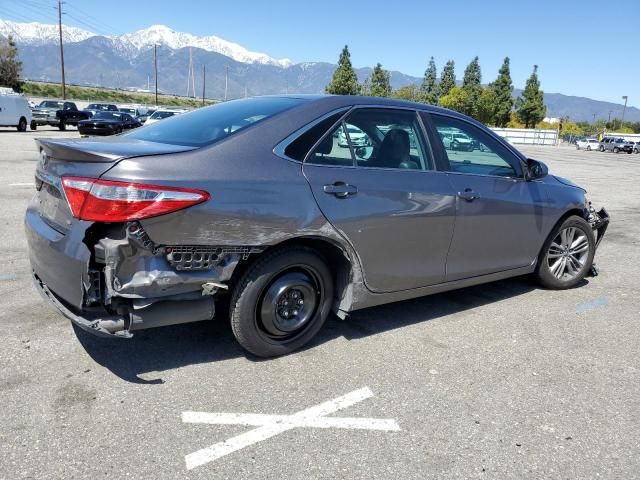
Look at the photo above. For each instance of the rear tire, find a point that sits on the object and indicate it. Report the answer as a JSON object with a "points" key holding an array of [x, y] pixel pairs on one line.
{"points": [[33, 125], [281, 301], [567, 255], [22, 125], [588, 148], [62, 125]]}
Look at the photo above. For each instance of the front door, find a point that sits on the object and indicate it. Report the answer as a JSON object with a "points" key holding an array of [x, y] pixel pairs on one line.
{"points": [[498, 213], [373, 179]]}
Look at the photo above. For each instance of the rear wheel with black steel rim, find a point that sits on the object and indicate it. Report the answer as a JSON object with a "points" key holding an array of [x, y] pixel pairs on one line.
{"points": [[281, 302], [567, 255], [22, 125]]}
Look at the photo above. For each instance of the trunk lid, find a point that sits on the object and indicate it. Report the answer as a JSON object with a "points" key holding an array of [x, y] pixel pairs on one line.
{"points": [[82, 158]]}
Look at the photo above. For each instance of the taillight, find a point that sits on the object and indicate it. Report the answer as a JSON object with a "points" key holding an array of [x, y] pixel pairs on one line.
{"points": [[108, 201]]}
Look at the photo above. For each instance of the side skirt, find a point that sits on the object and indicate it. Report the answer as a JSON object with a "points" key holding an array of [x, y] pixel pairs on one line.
{"points": [[372, 299]]}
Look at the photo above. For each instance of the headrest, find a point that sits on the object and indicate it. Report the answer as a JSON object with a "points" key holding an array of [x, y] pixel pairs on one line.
{"points": [[326, 145]]}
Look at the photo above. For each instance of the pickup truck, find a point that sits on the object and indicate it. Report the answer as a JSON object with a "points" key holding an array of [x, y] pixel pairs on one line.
{"points": [[57, 114]]}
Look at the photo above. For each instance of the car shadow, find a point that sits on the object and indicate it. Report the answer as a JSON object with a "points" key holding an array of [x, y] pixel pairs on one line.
{"points": [[166, 348]]}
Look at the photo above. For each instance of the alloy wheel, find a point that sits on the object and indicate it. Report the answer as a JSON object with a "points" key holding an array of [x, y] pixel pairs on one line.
{"points": [[568, 253]]}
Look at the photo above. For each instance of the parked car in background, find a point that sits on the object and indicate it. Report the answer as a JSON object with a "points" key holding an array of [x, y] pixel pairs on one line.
{"points": [[45, 113], [615, 145], [57, 113], [358, 137], [162, 113], [457, 141], [93, 108], [588, 144], [14, 110], [135, 111], [108, 123], [277, 222], [636, 147]]}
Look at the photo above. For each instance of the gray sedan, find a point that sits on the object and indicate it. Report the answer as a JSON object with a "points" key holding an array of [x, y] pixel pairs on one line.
{"points": [[253, 205]]}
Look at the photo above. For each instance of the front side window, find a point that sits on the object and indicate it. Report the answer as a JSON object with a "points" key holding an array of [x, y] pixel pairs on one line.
{"points": [[375, 138], [470, 150]]}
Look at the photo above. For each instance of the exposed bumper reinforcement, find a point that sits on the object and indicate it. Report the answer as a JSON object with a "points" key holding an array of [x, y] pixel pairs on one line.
{"points": [[158, 314], [109, 326]]}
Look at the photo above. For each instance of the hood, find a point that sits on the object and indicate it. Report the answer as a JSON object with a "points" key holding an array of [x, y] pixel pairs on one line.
{"points": [[567, 182], [104, 150]]}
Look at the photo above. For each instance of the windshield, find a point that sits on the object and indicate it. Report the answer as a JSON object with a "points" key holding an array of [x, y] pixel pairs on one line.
{"points": [[108, 116], [50, 104], [209, 124], [99, 106], [159, 115]]}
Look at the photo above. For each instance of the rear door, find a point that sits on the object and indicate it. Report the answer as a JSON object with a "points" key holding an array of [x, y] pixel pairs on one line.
{"points": [[384, 196], [499, 223]]}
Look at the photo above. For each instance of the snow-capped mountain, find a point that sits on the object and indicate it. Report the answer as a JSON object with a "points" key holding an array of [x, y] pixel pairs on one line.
{"points": [[41, 33], [36, 34]]}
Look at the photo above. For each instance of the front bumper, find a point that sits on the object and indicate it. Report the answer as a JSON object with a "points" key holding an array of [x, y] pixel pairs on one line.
{"points": [[599, 222]]}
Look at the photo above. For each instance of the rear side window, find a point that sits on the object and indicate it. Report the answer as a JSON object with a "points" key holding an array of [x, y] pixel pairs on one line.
{"points": [[207, 125], [299, 148], [375, 138]]}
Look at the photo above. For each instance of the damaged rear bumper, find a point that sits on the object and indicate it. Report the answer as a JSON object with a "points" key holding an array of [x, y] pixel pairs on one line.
{"points": [[111, 280]]}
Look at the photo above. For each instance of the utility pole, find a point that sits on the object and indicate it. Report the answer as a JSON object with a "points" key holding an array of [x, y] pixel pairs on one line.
{"points": [[625, 98], [204, 81], [155, 66], [609, 119], [64, 91], [226, 82]]}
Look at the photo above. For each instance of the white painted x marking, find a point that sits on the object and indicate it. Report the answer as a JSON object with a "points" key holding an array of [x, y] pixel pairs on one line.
{"points": [[272, 425]]}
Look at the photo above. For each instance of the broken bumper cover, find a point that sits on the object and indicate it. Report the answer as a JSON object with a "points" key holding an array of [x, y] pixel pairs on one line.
{"points": [[104, 327], [159, 314], [599, 222]]}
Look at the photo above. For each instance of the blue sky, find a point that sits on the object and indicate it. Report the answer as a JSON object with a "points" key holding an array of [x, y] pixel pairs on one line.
{"points": [[583, 48]]}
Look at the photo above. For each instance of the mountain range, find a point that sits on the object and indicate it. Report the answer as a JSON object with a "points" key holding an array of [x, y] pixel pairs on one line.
{"points": [[127, 61]]}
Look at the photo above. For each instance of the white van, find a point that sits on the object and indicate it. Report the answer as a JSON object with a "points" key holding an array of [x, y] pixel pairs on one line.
{"points": [[14, 110]]}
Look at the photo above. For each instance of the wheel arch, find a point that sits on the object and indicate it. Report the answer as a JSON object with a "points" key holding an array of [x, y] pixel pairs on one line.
{"points": [[339, 260]]}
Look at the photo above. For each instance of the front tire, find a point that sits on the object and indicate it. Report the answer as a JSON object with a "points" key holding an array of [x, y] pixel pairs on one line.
{"points": [[281, 301], [588, 148], [62, 125], [601, 148], [616, 149], [567, 255]]}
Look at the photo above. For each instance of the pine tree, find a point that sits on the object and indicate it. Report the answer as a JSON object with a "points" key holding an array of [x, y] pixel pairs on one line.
{"points": [[10, 66], [429, 88], [471, 84], [503, 87], [380, 85], [447, 79], [530, 108], [344, 81]]}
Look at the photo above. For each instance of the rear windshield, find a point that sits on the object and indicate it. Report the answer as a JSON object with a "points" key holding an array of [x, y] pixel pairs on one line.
{"points": [[157, 115], [207, 125]]}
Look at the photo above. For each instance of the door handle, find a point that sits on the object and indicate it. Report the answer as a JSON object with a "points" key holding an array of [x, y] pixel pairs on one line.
{"points": [[340, 189], [468, 194]]}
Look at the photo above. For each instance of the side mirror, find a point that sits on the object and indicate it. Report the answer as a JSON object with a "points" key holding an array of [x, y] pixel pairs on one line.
{"points": [[364, 153], [536, 169]]}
